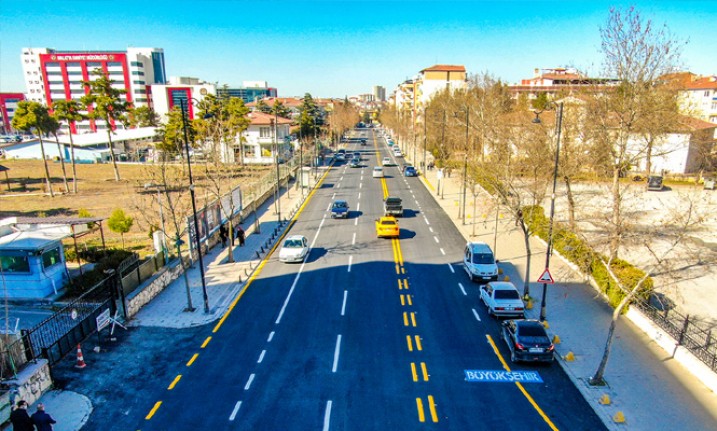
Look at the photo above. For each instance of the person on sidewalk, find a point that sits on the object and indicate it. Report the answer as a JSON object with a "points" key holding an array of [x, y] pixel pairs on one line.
{"points": [[42, 420], [19, 418], [223, 235], [241, 236]]}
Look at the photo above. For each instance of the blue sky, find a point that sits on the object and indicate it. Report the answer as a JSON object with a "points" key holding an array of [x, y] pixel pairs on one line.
{"points": [[338, 48]]}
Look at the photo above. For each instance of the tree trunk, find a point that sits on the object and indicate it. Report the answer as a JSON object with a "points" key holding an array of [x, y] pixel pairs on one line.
{"points": [[597, 378], [648, 158], [62, 162], [112, 153], [72, 159], [615, 229], [528, 254], [44, 161], [571, 203], [230, 258]]}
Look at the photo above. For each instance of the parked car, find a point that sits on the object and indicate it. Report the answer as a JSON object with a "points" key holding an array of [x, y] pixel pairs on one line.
{"points": [[528, 341], [294, 249], [340, 209], [410, 171], [397, 152], [387, 227], [377, 172], [479, 262], [502, 299], [654, 183]]}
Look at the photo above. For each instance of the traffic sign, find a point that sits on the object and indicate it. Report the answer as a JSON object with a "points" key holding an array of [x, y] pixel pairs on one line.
{"points": [[546, 277]]}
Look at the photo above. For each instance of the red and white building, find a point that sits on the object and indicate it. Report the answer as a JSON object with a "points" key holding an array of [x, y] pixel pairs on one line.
{"points": [[52, 75]]}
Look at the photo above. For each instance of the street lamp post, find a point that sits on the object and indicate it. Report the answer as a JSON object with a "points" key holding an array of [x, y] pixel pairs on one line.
{"points": [[194, 207], [278, 178], [465, 168], [425, 139], [558, 129]]}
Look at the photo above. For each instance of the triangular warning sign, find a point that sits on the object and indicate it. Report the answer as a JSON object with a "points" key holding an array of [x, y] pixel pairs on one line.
{"points": [[546, 277]]}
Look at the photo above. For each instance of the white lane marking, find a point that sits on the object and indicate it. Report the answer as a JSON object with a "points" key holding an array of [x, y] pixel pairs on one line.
{"points": [[338, 186], [475, 313], [451, 268], [358, 205], [353, 240], [343, 306], [337, 353], [237, 406], [298, 274], [436, 239], [342, 178], [360, 185], [356, 221], [333, 196], [430, 229], [426, 219], [442, 251], [271, 336], [327, 416], [261, 357], [462, 289], [248, 383], [329, 207], [351, 258], [359, 196]]}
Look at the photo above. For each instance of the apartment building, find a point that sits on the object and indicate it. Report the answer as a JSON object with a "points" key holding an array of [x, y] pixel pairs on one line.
{"points": [[8, 105]]}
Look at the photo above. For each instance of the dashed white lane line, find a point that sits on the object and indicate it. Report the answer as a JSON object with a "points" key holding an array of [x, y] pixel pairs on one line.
{"points": [[451, 268], [435, 238], [337, 353], [430, 229], [343, 306], [329, 207], [237, 406], [327, 416], [351, 258], [353, 239], [271, 336], [358, 205], [356, 221], [442, 251], [359, 197], [462, 289], [360, 185], [475, 313], [261, 357], [426, 219], [333, 196], [248, 382]]}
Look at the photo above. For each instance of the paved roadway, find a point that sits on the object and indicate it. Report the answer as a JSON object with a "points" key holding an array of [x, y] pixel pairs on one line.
{"points": [[367, 334]]}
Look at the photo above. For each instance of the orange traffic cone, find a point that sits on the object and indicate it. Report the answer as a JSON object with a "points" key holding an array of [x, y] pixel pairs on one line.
{"points": [[80, 359]]}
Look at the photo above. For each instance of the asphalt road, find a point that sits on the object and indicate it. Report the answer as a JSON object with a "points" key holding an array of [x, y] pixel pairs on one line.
{"points": [[366, 334]]}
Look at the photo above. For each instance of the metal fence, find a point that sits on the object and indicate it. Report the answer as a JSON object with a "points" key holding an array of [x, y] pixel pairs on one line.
{"points": [[694, 335]]}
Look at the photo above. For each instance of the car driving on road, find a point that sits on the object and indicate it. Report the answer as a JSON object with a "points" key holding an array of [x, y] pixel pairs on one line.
{"points": [[340, 209], [387, 227], [527, 341], [294, 249], [502, 299]]}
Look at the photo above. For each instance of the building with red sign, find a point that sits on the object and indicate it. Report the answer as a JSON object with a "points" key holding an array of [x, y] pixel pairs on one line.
{"points": [[52, 75]]}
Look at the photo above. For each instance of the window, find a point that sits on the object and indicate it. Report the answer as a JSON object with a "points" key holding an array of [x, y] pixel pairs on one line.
{"points": [[265, 132], [51, 257], [707, 93], [114, 64], [714, 105], [137, 64], [14, 262], [138, 82], [138, 73]]}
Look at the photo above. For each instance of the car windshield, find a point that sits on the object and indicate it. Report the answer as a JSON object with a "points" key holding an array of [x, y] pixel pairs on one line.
{"points": [[293, 243], [483, 258], [340, 204], [531, 331], [506, 294], [388, 223]]}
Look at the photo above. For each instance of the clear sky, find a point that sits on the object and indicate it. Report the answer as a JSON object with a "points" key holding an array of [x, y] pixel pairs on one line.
{"points": [[338, 48]]}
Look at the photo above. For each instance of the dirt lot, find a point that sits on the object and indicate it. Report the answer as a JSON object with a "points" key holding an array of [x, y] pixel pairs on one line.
{"points": [[98, 192]]}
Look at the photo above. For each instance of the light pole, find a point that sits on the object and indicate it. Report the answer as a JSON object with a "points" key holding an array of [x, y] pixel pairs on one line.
{"points": [[558, 130], [194, 206], [465, 168], [278, 178], [425, 138]]}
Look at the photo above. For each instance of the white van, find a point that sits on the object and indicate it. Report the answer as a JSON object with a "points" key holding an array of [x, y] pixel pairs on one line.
{"points": [[377, 172], [479, 262]]}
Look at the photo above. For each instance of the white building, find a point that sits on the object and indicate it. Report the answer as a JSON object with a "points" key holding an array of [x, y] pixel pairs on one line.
{"points": [[700, 97], [259, 138]]}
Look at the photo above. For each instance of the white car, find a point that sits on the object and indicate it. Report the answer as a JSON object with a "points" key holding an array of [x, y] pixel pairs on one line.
{"points": [[294, 249], [502, 299], [479, 262], [377, 172], [397, 152], [387, 162]]}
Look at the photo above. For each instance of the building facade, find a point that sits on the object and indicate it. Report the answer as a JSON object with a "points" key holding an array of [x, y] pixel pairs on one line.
{"points": [[558, 82], [379, 93], [8, 106], [52, 75], [179, 90], [266, 137], [250, 91], [699, 96]]}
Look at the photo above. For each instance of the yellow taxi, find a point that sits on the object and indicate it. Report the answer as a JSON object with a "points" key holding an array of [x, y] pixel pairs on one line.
{"points": [[387, 227]]}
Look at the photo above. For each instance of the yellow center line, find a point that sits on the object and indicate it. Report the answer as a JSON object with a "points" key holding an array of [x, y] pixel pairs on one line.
{"points": [[204, 344], [432, 407], [424, 369], [421, 414], [194, 358], [174, 382], [410, 344], [413, 319], [418, 343], [398, 269], [521, 388], [153, 411], [403, 301], [405, 318], [400, 285], [408, 298], [413, 372]]}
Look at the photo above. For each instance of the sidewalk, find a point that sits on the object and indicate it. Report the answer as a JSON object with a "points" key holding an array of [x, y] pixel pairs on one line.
{"points": [[224, 281], [650, 388]]}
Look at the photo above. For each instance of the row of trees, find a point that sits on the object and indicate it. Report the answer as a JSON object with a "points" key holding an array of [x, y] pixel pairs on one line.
{"points": [[101, 102], [603, 132]]}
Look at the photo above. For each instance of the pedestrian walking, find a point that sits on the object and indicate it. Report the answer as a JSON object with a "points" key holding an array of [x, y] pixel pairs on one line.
{"points": [[240, 236], [42, 420], [223, 235], [19, 418]]}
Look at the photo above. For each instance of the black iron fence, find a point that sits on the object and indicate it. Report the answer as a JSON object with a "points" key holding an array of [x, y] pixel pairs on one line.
{"points": [[696, 336]]}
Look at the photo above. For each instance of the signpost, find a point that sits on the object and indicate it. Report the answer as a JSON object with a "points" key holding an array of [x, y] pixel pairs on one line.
{"points": [[546, 277]]}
